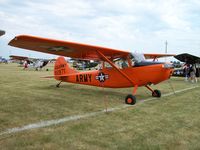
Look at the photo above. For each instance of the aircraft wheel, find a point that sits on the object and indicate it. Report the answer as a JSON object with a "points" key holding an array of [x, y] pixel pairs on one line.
{"points": [[130, 99], [156, 93]]}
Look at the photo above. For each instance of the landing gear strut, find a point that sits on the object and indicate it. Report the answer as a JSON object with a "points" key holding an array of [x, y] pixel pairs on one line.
{"points": [[131, 99], [155, 93], [58, 85]]}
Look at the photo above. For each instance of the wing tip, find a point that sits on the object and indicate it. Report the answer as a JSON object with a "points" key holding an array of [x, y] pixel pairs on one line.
{"points": [[16, 38]]}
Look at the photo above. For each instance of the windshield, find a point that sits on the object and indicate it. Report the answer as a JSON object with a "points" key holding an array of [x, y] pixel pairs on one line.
{"points": [[137, 57]]}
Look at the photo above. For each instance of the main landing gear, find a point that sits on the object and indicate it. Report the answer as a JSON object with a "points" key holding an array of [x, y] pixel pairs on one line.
{"points": [[155, 93], [131, 99]]}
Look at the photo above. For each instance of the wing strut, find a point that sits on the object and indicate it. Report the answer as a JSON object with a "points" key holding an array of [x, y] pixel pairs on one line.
{"points": [[114, 66]]}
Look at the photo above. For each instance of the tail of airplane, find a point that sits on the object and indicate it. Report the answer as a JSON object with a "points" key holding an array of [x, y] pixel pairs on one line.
{"points": [[62, 68]]}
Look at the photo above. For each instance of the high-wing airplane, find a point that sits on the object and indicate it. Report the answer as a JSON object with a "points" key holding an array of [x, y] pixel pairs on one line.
{"points": [[32, 62], [134, 71], [188, 59]]}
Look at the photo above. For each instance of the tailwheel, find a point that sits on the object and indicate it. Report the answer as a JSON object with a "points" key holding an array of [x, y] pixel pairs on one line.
{"points": [[156, 93], [58, 85], [130, 99]]}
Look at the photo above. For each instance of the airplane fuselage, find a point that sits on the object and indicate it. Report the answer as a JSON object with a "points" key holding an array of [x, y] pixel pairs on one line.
{"points": [[110, 77]]}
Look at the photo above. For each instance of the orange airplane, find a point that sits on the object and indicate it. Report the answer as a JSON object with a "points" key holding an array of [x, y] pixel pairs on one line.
{"points": [[119, 69]]}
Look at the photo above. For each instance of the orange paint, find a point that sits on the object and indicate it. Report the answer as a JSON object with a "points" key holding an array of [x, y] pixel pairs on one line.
{"points": [[111, 77], [138, 72]]}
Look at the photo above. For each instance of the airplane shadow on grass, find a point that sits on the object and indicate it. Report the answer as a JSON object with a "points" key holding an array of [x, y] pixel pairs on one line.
{"points": [[86, 90], [92, 90]]}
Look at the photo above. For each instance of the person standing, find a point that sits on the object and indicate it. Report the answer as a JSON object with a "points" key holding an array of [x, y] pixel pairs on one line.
{"points": [[193, 74], [187, 72], [25, 64]]}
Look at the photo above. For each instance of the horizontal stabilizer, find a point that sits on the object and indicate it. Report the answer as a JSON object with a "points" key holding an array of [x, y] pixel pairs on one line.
{"points": [[66, 75]]}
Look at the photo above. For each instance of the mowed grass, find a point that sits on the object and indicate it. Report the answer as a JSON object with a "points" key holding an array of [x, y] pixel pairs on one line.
{"points": [[171, 122]]}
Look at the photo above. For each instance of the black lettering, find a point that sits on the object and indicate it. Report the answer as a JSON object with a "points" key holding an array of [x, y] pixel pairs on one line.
{"points": [[77, 78], [57, 72], [81, 77], [90, 77], [62, 71], [85, 78], [60, 66]]}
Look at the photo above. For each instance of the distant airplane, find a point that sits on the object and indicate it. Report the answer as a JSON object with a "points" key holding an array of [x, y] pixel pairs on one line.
{"points": [[3, 60], [32, 62], [132, 70], [83, 64], [188, 59], [2, 32]]}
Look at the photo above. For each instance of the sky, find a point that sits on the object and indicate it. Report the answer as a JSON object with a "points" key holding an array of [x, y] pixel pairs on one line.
{"points": [[141, 26]]}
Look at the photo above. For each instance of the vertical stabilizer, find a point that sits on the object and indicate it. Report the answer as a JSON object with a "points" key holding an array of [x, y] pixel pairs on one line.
{"points": [[62, 68]]}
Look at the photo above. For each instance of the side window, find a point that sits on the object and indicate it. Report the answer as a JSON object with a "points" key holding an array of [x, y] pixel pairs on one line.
{"points": [[121, 63], [124, 64], [107, 65], [118, 63]]}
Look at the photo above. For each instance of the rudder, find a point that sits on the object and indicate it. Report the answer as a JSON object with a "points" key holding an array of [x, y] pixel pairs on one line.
{"points": [[62, 68]]}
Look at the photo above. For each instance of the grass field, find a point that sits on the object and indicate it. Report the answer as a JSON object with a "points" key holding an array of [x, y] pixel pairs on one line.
{"points": [[171, 122]]}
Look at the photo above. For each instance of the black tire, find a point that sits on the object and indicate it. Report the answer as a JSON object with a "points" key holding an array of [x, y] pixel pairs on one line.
{"points": [[130, 99], [156, 93]]}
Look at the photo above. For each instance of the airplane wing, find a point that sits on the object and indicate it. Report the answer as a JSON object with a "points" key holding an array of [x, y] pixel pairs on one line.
{"points": [[15, 57], [20, 58], [2, 32], [188, 58], [65, 48], [155, 56]]}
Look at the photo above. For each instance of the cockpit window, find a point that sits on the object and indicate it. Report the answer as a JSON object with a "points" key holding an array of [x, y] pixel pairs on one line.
{"points": [[137, 57]]}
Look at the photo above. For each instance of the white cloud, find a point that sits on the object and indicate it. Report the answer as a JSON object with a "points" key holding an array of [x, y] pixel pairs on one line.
{"points": [[174, 13], [3, 1], [129, 24], [62, 8]]}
